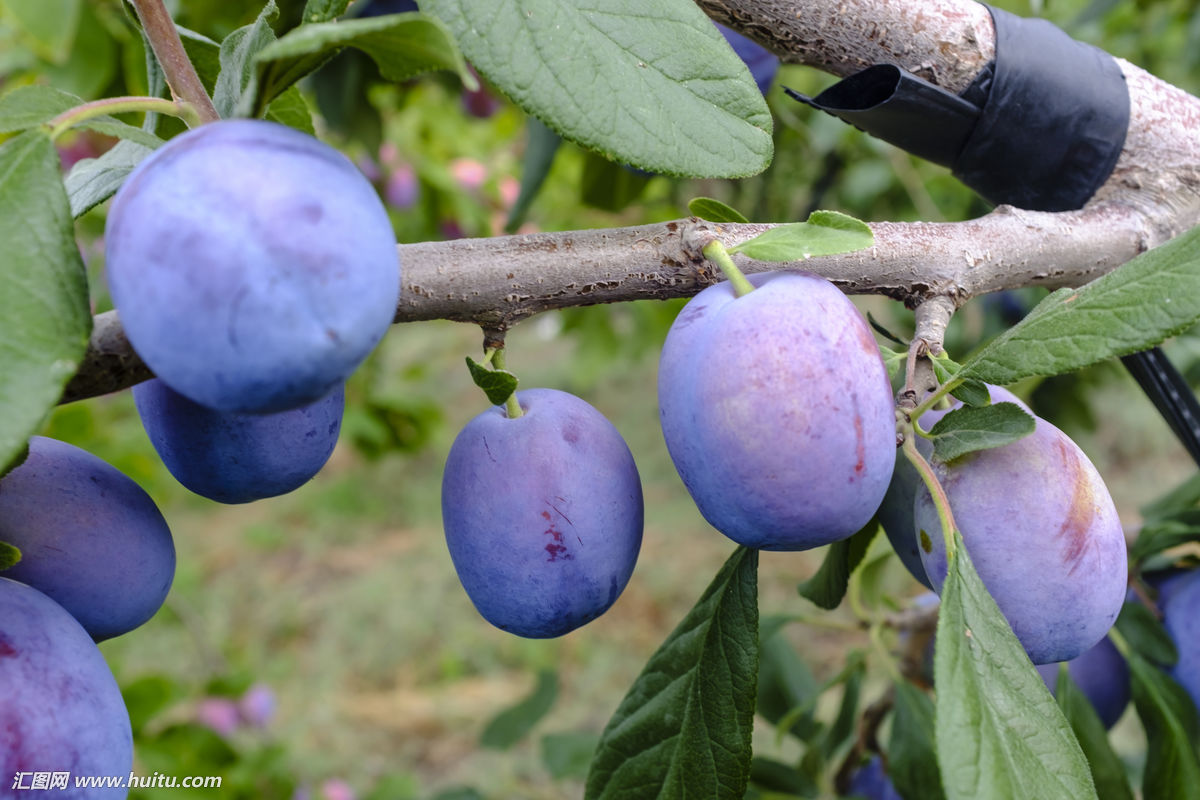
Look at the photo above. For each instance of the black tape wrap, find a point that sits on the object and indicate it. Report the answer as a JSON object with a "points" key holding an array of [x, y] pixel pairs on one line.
{"points": [[1040, 128]]}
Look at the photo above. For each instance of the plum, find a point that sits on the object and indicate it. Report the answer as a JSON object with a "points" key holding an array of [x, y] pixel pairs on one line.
{"points": [[777, 411], [253, 266], [90, 537], [1044, 535], [237, 458], [542, 513], [1179, 602], [1102, 675], [896, 511], [871, 783], [62, 710]]}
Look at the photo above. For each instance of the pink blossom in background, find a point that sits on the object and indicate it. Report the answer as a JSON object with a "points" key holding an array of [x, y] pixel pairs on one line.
{"points": [[402, 188], [368, 167], [451, 230], [510, 190], [389, 154], [219, 714], [469, 173], [337, 789], [257, 705]]}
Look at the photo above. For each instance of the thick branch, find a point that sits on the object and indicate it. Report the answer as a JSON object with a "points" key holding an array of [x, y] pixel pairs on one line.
{"points": [[496, 282], [177, 67]]}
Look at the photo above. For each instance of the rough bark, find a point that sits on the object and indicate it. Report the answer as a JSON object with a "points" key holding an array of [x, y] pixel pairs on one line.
{"points": [[1152, 195]]}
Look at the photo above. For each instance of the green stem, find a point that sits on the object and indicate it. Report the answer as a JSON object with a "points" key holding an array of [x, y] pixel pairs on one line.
{"points": [[940, 501], [715, 252], [511, 407], [934, 398], [120, 105], [875, 635], [488, 355]]}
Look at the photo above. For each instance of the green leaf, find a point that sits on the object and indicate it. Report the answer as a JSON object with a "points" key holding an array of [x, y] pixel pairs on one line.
{"points": [[540, 149], [843, 725], [1164, 534], [825, 233], [1183, 497], [684, 727], [497, 384], [776, 776], [970, 428], [1108, 772], [10, 555], [94, 180], [145, 698], [568, 755], [291, 109], [786, 685], [912, 755], [827, 587], [510, 725], [402, 45], [1169, 717], [49, 25], [43, 289], [30, 106], [1136, 306], [714, 210], [650, 83], [323, 10], [1146, 634], [1000, 735], [237, 84], [609, 186], [204, 53], [972, 393]]}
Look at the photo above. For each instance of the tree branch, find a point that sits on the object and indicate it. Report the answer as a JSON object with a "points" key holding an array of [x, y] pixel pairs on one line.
{"points": [[1153, 195]]}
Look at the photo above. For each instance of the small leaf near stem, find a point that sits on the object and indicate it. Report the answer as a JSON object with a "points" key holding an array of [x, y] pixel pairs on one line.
{"points": [[511, 407], [119, 105], [940, 501], [715, 252]]}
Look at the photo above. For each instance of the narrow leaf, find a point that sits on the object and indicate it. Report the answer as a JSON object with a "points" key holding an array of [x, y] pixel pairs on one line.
{"points": [[842, 729], [1138, 305], [540, 149], [513, 723], [827, 586], [10, 555], [94, 180], [787, 689], [1108, 772], [825, 233], [497, 384], [402, 45], [1183, 497], [1169, 717], [1146, 634], [1000, 735], [1157, 537], [970, 428], [714, 210], [650, 83], [237, 84], [683, 730], [44, 315], [912, 755]]}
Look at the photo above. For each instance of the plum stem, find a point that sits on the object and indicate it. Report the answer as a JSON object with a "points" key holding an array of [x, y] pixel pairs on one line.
{"points": [[488, 355], [511, 407], [177, 67], [120, 105], [940, 501], [715, 252]]}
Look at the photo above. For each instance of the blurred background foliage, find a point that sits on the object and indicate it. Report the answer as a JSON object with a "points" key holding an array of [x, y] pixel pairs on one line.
{"points": [[318, 645]]}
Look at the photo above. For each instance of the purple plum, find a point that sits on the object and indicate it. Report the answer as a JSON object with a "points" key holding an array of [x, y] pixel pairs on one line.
{"points": [[542, 513], [1102, 675], [1179, 603], [1044, 535], [90, 537], [62, 710], [237, 458], [870, 782], [253, 266], [895, 513], [777, 411]]}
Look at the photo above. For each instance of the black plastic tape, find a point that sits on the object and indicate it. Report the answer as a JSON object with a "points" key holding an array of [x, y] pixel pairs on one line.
{"points": [[898, 107], [1041, 128]]}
